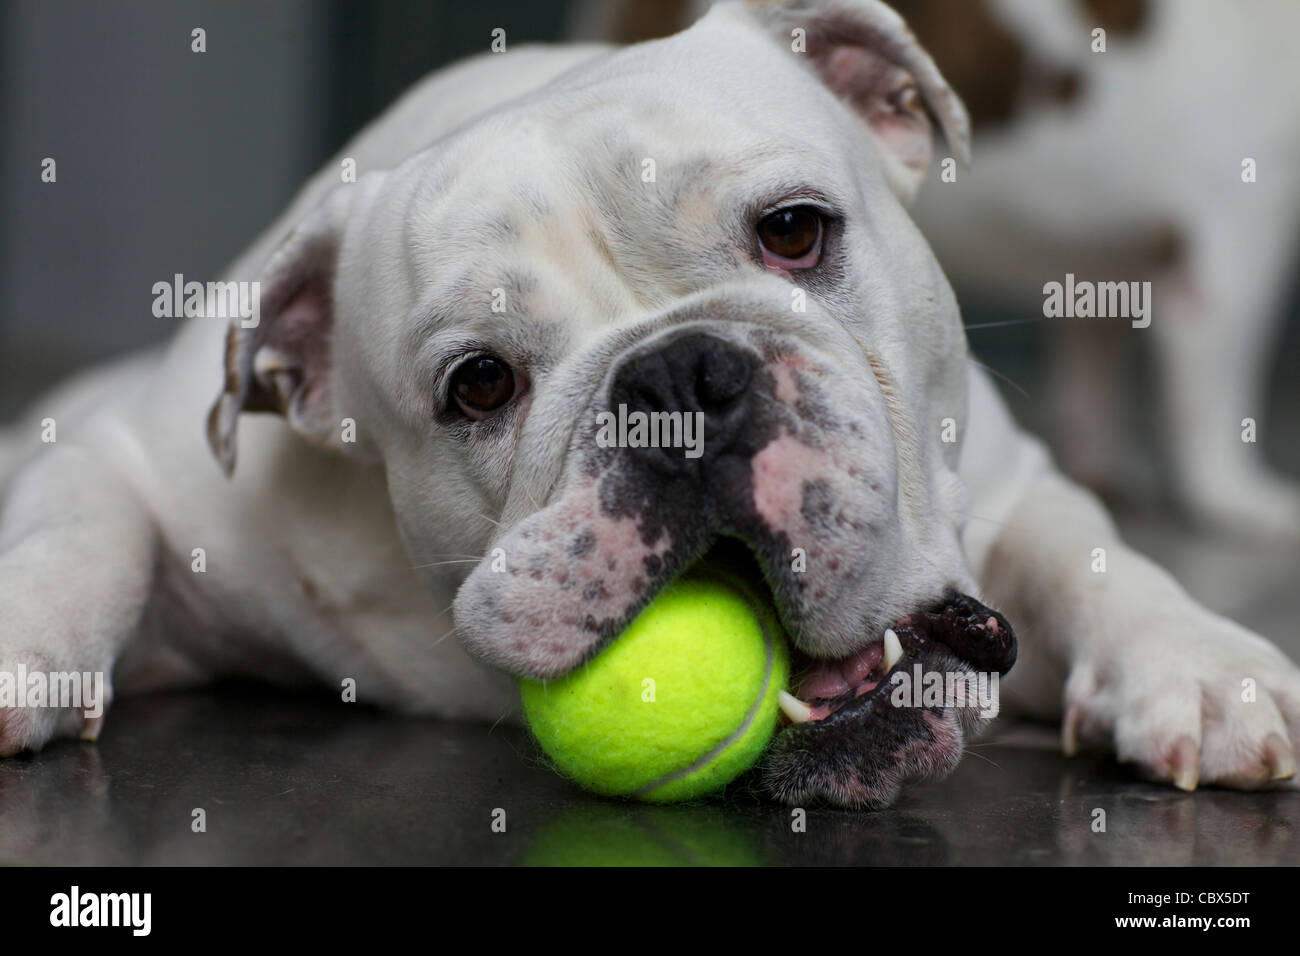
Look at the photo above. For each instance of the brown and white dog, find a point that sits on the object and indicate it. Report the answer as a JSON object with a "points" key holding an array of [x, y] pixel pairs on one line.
{"points": [[711, 225]]}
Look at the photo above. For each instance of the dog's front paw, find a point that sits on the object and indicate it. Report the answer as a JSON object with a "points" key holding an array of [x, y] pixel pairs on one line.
{"points": [[40, 703], [1206, 703]]}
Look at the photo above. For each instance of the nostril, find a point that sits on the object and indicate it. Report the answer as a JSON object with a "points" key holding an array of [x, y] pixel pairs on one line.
{"points": [[645, 399], [689, 397], [721, 377]]}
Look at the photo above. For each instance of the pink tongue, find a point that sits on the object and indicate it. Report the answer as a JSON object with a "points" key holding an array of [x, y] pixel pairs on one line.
{"points": [[824, 680], [857, 667], [833, 678]]}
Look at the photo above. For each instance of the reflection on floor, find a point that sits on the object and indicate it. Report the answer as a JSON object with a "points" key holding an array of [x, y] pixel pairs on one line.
{"points": [[304, 780]]}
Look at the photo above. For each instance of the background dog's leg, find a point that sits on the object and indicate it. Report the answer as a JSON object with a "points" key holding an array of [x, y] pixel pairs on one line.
{"points": [[1214, 325], [76, 565], [1092, 387]]}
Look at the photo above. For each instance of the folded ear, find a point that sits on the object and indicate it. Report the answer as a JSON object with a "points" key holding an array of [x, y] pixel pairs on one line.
{"points": [[865, 53], [281, 359]]}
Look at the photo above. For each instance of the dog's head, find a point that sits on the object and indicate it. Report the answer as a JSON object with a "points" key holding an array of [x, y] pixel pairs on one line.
{"points": [[699, 242]]}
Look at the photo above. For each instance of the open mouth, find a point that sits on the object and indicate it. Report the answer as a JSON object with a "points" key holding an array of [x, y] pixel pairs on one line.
{"points": [[820, 688], [955, 625], [978, 637], [844, 740]]}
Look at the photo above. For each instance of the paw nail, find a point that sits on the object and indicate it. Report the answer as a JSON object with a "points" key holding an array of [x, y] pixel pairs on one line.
{"points": [[1186, 764], [1069, 732], [90, 730], [1279, 758]]}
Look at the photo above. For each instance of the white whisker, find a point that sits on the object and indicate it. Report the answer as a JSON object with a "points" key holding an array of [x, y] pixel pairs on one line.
{"points": [[438, 564], [1011, 382], [995, 325]]}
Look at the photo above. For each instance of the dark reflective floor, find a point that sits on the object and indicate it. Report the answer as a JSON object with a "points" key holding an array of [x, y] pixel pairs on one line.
{"points": [[304, 780]]}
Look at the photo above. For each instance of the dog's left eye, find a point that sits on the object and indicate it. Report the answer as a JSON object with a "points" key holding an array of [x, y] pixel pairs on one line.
{"points": [[481, 385], [791, 238]]}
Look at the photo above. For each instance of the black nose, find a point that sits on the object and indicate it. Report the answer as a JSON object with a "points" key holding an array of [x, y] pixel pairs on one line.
{"points": [[695, 374]]}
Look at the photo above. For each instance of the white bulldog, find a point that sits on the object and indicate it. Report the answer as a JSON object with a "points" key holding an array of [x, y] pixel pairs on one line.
{"points": [[714, 225]]}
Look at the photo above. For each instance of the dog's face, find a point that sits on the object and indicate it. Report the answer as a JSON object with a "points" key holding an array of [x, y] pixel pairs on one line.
{"points": [[708, 231]]}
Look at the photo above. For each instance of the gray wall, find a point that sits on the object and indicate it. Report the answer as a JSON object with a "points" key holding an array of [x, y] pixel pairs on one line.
{"points": [[171, 161]]}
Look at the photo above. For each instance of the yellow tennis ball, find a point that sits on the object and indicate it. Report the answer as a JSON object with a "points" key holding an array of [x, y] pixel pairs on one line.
{"points": [[680, 704]]}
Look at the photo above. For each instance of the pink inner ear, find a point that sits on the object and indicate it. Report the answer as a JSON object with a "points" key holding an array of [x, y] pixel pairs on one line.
{"points": [[301, 332], [856, 74], [868, 83]]}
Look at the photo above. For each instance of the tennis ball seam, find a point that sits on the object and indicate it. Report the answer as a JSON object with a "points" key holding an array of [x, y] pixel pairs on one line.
{"points": [[769, 651]]}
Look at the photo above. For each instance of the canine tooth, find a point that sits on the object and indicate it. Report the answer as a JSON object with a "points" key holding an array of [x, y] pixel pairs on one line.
{"points": [[794, 708], [893, 649]]}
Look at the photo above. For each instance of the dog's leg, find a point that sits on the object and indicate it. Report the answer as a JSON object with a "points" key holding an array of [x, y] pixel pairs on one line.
{"points": [[76, 564], [1187, 695], [1091, 389], [1213, 328]]}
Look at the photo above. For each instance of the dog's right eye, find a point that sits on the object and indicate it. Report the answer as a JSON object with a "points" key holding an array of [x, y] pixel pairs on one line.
{"points": [[791, 238], [481, 385]]}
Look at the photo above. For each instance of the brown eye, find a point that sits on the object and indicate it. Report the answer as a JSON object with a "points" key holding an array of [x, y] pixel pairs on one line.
{"points": [[791, 238], [482, 384]]}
